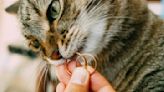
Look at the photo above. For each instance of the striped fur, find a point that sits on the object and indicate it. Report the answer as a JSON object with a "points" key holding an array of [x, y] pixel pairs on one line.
{"points": [[124, 35]]}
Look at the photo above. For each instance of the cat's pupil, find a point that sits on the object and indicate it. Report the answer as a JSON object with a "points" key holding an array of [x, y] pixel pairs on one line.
{"points": [[55, 9], [54, 13]]}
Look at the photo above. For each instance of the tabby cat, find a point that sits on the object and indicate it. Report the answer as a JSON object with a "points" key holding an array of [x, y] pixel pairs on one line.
{"points": [[124, 35]]}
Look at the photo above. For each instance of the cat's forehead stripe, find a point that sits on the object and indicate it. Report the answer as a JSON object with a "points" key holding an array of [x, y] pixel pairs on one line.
{"points": [[32, 32], [39, 6], [34, 7]]}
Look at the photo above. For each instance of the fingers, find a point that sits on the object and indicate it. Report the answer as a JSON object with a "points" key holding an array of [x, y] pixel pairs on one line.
{"points": [[106, 89], [79, 81], [63, 71], [80, 76], [98, 83], [62, 74], [76, 88], [72, 65], [60, 87]]}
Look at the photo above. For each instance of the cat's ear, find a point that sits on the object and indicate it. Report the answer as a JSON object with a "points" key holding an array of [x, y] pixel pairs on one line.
{"points": [[13, 9]]}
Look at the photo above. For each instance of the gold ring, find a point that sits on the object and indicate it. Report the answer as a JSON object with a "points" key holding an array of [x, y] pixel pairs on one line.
{"points": [[86, 62]]}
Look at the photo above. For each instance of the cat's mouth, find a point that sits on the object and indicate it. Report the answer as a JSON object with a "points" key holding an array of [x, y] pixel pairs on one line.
{"points": [[56, 55], [57, 59]]}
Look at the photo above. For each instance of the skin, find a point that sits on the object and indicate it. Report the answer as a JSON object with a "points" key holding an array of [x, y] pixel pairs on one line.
{"points": [[91, 82]]}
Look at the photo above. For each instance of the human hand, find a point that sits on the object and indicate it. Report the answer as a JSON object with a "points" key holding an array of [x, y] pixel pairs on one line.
{"points": [[81, 80]]}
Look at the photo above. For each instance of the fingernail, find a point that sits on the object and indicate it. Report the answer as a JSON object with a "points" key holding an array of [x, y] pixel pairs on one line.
{"points": [[79, 76]]}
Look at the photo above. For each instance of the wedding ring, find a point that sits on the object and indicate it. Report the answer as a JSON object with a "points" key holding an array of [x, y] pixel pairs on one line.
{"points": [[85, 61], [80, 57]]}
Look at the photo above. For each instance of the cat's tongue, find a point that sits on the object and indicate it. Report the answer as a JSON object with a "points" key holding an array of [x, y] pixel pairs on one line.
{"points": [[56, 55]]}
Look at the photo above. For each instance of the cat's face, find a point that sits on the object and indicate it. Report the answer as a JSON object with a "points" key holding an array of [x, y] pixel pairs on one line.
{"points": [[60, 28]]}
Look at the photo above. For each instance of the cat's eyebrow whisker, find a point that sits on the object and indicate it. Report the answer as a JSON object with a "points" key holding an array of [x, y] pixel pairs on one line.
{"points": [[123, 29], [121, 17], [97, 7], [92, 13]]}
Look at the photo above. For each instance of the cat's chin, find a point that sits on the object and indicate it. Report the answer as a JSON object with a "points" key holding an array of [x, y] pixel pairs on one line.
{"points": [[61, 61], [56, 62]]}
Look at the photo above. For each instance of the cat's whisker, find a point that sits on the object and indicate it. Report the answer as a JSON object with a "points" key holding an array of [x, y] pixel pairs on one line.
{"points": [[45, 76], [42, 74], [40, 78], [121, 17], [41, 66]]}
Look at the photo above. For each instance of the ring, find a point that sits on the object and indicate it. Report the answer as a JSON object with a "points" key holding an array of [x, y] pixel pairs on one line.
{"points": [[82, 56], [85, 60]]}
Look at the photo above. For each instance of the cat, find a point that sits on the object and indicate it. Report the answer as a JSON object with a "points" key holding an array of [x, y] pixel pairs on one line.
{"points": [[126, 38]]}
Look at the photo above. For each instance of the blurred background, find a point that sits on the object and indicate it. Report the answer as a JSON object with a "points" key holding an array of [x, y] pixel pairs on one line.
{"points": [[17, 72], [18, 69]]}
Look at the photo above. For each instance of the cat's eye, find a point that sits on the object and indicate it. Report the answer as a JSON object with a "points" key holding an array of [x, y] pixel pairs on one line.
{"points": [[55, 10], [35, 45]]}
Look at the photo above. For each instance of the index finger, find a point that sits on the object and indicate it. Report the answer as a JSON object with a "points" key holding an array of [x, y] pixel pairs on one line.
{"points": [[98, 82], [63, 71], [62, 74]]}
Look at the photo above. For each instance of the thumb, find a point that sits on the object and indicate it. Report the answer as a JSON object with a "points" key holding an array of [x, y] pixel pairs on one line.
{"points": [[79, 81]]}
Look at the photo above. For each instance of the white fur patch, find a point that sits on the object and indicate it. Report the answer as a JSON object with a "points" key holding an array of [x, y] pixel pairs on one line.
{"points": [[94, 43], [95, 26]]}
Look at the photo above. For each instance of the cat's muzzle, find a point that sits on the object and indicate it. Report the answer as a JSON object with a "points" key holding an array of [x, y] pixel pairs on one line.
{"points": [[55, 55]]}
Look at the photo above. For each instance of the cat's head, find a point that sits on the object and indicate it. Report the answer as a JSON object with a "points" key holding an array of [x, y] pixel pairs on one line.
{"points": [[59, 28]]}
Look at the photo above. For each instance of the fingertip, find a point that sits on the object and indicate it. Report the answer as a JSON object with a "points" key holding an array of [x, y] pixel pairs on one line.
{"points": [[64, 71], [91, 70], [106, 89], [71, 66], [79, 81], [80, 76], [96, 78]]}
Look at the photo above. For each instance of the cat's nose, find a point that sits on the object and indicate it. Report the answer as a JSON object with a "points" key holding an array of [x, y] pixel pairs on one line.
{"points": [[56, 55]]}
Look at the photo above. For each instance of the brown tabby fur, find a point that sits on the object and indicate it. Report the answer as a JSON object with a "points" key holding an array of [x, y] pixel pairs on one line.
{"points": [[124, 35]]}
